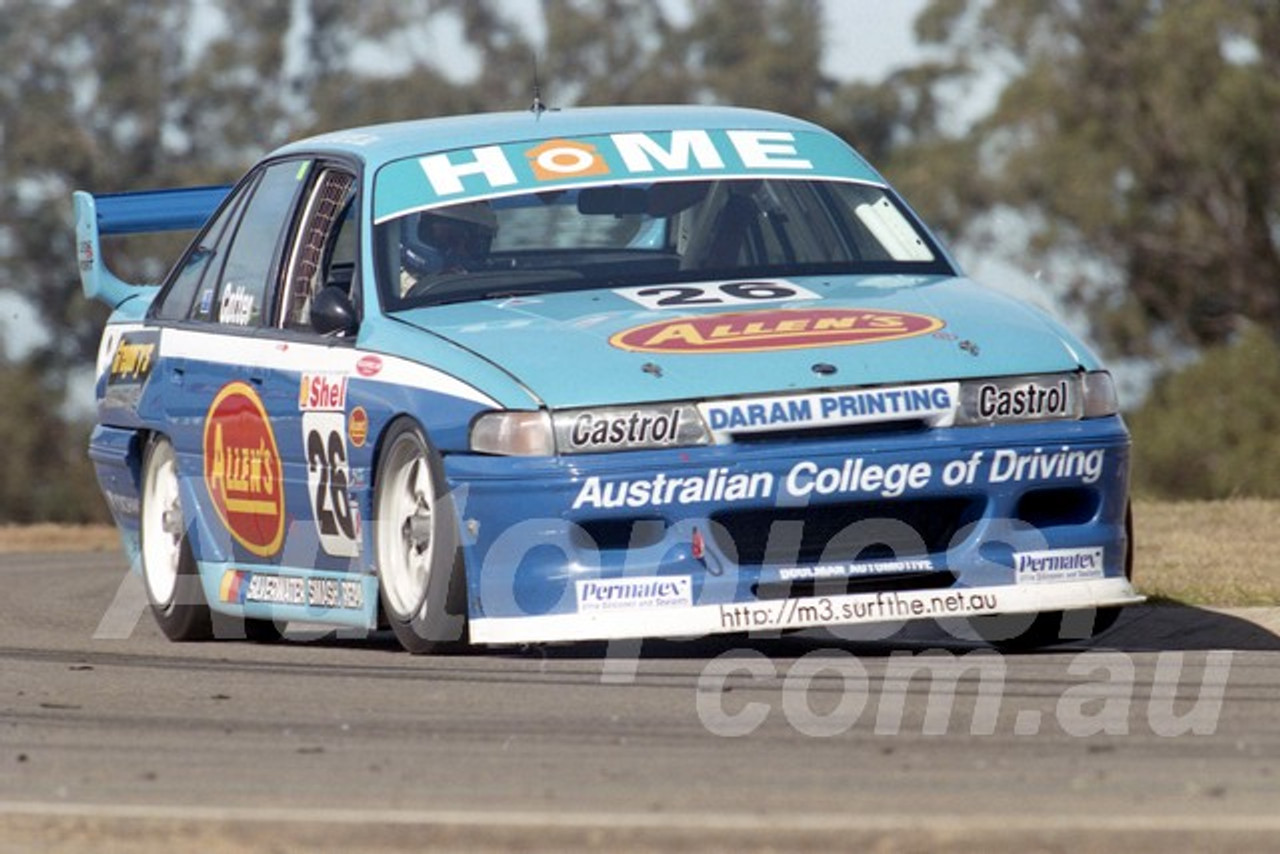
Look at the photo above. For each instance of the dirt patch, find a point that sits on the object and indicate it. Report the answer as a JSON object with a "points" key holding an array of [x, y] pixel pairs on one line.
{"points": [[16, 539]]}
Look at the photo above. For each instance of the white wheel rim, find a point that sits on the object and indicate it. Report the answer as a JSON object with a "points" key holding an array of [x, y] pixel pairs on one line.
{"points": [[162, 526], [406, 527]]}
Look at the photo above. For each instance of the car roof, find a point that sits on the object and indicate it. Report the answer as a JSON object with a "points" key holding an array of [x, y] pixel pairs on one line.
{"points": [[383, 143]]}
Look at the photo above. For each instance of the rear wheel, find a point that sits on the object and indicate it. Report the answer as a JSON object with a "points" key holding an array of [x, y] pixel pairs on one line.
{"points": [[168, 566], [416, 541]]}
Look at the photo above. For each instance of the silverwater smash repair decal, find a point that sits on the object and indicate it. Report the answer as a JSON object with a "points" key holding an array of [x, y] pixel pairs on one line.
{"points": [[242, 469], [240, 587], [780, 329]]}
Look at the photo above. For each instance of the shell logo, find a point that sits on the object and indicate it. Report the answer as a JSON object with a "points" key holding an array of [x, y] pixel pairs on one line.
{"points": [[358, 426], [780, 329], [556, 159], [242, 469]]}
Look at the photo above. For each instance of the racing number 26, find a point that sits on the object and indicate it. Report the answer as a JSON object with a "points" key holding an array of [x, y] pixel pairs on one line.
{"points": [[327, 458], [716, 293]]}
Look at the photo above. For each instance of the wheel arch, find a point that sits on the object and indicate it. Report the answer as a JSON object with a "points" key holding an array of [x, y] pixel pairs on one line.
{"points": [[454, 593]]}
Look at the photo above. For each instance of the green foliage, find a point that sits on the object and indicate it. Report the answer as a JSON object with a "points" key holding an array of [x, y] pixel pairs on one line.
{"points": [[1140, 140], [47, 476], [1212, 430]]}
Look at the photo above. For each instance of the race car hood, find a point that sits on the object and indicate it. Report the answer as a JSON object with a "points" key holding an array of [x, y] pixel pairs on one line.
{"points": [[601, 347]]}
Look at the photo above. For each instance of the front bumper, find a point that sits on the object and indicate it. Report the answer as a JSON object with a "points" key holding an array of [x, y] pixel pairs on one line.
{"points": [[787, 534]]}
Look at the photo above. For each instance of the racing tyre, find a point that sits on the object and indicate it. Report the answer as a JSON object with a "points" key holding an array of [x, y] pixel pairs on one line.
{"points": [[421, 577], [1026, 632], [168, 565]]}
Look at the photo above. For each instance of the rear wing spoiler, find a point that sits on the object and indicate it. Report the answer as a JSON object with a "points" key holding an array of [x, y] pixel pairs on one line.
{"points": [[133, 213]]}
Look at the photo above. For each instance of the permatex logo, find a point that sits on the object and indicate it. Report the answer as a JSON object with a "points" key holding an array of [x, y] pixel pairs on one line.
{"points": [[617, 594], [780, 329]]}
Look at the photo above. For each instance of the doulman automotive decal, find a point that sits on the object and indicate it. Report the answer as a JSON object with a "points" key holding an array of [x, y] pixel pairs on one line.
{"points": [[781, 329], [242, 469]]}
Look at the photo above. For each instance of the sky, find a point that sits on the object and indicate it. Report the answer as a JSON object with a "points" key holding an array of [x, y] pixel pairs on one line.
{"points": [[866, 39]]}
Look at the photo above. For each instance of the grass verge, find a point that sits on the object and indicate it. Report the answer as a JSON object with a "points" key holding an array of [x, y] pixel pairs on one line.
{"points": [[1208, 552], [15, 539]]}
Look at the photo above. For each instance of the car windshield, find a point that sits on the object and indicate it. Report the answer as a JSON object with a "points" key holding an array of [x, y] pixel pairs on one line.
{"points": [[628, 234]]}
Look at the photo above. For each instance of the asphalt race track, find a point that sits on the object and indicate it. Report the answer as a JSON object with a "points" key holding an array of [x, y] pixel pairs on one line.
{"points": [[1163, 736]]}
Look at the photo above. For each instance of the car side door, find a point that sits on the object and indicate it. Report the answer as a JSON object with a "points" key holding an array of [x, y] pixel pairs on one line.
{"points": [[312, 381], [221, 414]]}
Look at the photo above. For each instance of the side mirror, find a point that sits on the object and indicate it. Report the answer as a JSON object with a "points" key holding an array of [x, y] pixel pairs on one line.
{"points": [[332, 312]]}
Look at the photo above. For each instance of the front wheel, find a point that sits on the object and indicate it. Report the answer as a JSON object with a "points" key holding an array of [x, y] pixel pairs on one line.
{"points": [[421, 577], [168, 566]]}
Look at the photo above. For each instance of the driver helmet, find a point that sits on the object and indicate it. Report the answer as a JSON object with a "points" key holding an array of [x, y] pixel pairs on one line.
{"points": [[446, 239]]}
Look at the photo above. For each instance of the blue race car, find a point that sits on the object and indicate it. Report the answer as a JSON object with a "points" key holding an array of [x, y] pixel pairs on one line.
{"points": [[590, 374]]}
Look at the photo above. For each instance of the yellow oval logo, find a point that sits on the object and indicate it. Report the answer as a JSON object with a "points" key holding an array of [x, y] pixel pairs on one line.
{"points": [[779, 329], [242, 469]]}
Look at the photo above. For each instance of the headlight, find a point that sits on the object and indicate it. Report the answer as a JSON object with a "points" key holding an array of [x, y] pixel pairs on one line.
{"points": [[1000, 400], [1100, 398], [517, 434]]}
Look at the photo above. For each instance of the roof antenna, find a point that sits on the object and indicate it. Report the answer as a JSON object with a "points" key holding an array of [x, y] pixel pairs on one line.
{"points": [[537, 107]]}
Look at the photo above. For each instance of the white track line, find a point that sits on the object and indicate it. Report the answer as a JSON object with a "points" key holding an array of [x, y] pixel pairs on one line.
{"points": [[789, 821]]}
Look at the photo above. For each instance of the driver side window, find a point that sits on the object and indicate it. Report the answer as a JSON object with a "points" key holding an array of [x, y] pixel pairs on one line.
{"points": [[325, 249]]}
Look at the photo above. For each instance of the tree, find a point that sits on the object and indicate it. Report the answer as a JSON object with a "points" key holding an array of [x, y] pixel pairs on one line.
{"points": [[760, 53], [47, 476], [1206, 431], [1139, 141]]}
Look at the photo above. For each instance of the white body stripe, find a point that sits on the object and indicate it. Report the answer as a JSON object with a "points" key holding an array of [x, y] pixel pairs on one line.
{"points": [[808, 612], [287, 355]]}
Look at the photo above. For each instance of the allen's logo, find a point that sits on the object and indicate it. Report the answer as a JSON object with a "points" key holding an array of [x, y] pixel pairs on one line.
{"points": [[242, 469], [781, 329]]}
